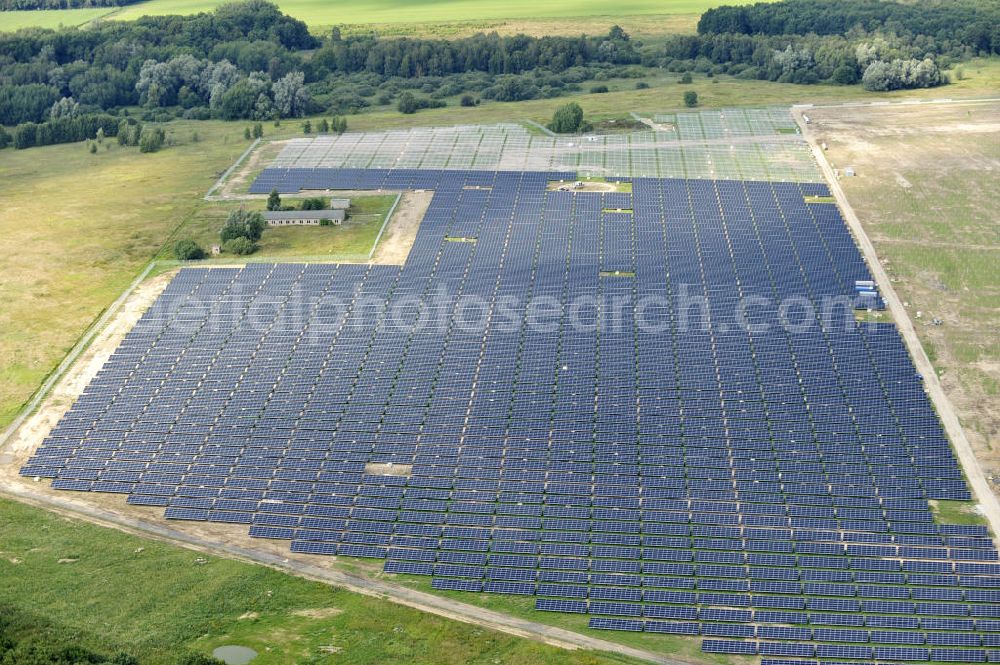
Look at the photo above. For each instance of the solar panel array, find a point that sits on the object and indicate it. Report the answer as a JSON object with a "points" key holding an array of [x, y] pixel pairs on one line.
{"points": [[648, 417], [743, 144]]}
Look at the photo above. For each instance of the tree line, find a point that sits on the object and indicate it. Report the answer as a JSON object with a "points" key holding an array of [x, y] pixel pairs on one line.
{"points": [[883, 45], [971, 23], [17, 5], [488, 53], [249, 61], [246, 60]]}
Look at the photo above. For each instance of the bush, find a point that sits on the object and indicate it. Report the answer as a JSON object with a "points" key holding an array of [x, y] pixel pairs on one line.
{"points": [[567, 119], [844, 75], [274, 200], [686, 78], [468, 100], [325, 222], [151, 139], [240, 246], [317, 203], [407, 103], [129, 131], [188, 250], [598, 89], [199, 659], [243, 224], [197, 113], [690, 99], [641, 85]]}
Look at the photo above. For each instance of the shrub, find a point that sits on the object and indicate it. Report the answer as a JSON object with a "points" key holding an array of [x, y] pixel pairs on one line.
{"points": [[641, 85], [468, 100], [274, 200], [690, 99], [567, 119], [199, 659], [151, 139], [240, 246], [188, 250], [325, 222], [407, 103], [317, 203], [129, 131], [197, 113], [243, 224], [598, 89], [686, 78]]}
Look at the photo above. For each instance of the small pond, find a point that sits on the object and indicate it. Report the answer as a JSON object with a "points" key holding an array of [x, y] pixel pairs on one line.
{"points": [[234, 655]]}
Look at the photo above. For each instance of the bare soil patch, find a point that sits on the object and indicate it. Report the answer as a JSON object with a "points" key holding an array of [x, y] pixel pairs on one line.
{"points": [[925, 192], [399, 235]]}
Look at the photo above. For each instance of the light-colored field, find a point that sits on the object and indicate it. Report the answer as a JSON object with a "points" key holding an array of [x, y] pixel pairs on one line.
{"points": [[982, 79], [320, 12], [77, 228], [648, 27], [926, 194], [51, 18]]}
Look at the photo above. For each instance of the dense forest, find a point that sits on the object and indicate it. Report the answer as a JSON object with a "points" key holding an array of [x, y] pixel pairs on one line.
{"points": [[884, 45], [972, 23], [249, 61]]}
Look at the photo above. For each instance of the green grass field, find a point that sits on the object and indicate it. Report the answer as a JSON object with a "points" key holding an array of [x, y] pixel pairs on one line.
{"points": [[684, 648], [84, 226], [70, 582], [352, 240], [450, 18], [320, 12], [51, 18], [957, 512]]}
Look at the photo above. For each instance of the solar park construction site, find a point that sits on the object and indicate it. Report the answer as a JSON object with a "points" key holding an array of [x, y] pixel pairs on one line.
{"points": [[663, 403]]}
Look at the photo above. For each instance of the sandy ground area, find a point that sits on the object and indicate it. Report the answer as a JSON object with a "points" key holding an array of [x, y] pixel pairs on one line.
{"points": [[925, 195], [264, 152], [398, 238]]}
